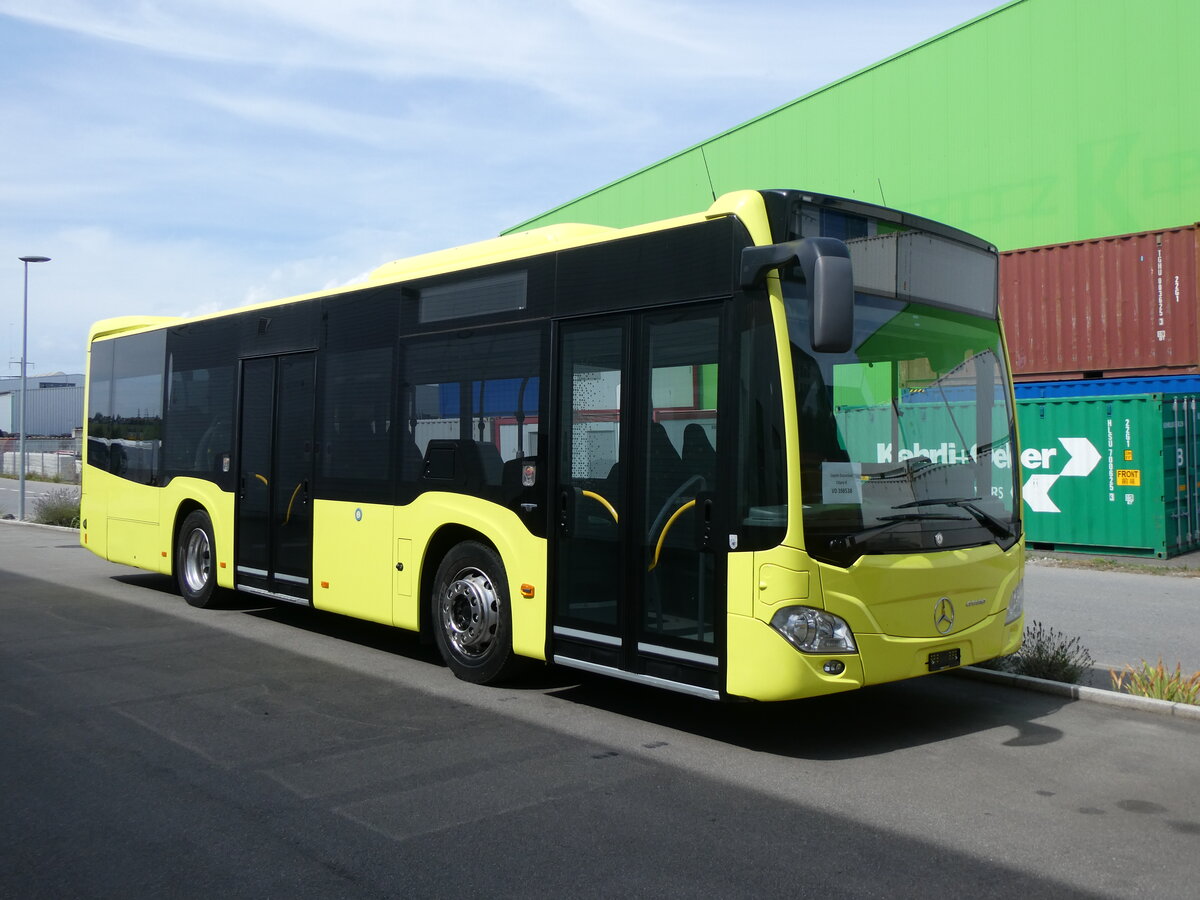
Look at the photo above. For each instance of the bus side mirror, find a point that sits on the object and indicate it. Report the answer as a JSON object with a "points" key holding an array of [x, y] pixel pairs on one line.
{"points": [[829, 276]]}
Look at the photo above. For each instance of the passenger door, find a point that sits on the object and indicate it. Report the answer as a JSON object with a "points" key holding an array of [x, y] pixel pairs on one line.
{"points": [[275, 471], [635, 556]]}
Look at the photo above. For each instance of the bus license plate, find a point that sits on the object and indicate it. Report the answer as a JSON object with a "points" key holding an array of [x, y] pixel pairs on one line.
{"points": [[945, 659]]}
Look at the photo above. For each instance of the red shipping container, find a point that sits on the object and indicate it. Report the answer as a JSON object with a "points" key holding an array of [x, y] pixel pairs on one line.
{"points": [[1125, 305]]}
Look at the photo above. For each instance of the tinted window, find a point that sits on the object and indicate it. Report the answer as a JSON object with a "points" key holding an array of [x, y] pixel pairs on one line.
{"points": [[99, 414], [125, 435], [471, 409], [474, 297], [201, 390], [357, 398]]}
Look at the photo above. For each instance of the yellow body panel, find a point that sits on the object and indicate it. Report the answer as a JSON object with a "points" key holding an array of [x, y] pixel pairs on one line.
{"points": [[354, 559], [763, 666], [357, 557], [134, 544], [524, 557], [135, 524], [896, 595], [784, 576], [891, 658], [121, 324]]}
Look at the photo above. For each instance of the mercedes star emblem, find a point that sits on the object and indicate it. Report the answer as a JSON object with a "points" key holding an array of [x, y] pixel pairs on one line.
{"points": [[943, 615]]}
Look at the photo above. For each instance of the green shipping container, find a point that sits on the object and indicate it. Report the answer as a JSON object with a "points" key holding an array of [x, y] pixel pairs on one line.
{"points": [[1112, 474]]}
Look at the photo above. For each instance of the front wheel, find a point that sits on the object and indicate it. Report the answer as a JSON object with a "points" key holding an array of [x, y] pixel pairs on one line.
{"points": [[194, 555], [472, 615]]}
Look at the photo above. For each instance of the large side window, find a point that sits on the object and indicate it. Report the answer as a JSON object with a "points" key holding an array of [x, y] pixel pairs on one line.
{"points": [[201, 392], [357, 399], [125, 436], [471, 409]]}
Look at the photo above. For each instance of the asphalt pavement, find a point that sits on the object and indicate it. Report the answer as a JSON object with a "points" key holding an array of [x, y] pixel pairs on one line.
{"points": [[154, 749]]}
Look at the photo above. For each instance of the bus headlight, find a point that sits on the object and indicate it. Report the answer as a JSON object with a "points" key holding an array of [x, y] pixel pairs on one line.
{"points": [[814, 630], [1016, 603]]}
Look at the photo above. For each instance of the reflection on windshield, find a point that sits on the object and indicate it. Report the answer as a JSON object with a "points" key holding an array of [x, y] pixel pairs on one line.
{"points": [[906, 441]]}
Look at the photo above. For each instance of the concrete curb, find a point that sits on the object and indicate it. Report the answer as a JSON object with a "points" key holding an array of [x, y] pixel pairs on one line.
{"points": [[38, 525], [1079, 692]]}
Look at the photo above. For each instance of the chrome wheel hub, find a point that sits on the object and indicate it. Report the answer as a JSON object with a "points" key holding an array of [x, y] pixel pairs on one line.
{"points": [[470, 613], [197, 560]]}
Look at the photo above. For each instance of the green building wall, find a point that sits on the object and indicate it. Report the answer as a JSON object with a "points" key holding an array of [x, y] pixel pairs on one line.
{"points": [[1040, 122]]}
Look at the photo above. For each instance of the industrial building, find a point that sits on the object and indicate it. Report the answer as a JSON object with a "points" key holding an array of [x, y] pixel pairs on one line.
{"points": [[1041, 122], [54, 404], [1066, 133]]}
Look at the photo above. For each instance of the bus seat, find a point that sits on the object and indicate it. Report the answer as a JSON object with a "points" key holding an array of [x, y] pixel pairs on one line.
{"points": [[664, 468], [699, 457], [491, 465]]}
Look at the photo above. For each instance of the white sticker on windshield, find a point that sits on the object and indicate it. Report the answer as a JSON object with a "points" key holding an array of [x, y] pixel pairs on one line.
{"points": [[841, 482]]}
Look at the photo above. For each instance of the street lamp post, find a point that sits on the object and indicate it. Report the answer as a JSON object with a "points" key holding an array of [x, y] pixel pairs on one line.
{"points": [[24, 347]]}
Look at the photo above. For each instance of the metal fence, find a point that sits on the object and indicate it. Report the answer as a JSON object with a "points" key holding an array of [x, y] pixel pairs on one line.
{"points": [[57, 459]]}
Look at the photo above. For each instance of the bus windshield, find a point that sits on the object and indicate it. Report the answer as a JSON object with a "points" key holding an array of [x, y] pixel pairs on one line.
{"points": [[906, 441]]}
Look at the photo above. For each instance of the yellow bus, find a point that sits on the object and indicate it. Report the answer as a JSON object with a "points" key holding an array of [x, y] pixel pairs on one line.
{"points": [[765, 451]]}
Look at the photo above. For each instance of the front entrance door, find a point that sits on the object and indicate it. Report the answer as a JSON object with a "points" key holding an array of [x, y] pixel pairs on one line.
{"points": [[275, 466], [636, 562]]}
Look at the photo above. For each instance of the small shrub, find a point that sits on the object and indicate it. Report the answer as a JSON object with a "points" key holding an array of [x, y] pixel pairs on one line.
{"points": [[60, 507], [1046, 653], [1158, 683]]}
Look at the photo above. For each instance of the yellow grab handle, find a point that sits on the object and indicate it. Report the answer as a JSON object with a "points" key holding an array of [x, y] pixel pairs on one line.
{"points": [[612, 512], [662, 537], [290, 502]]}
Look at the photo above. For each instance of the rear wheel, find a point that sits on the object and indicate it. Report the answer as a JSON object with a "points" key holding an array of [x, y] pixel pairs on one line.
{"points": [[472, 614], [195, 551]]}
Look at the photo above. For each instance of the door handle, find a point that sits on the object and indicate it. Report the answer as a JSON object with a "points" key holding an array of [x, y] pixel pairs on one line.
{"points": [[706, 534], [564, 511]]}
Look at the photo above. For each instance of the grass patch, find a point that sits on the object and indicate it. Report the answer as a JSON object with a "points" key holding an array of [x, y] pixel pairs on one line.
{"points": [[46, 479], [1158, 683], [1108, 564]]}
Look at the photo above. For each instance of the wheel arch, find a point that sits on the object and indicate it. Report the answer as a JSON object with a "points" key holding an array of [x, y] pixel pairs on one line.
{"points": [[185, 508]]}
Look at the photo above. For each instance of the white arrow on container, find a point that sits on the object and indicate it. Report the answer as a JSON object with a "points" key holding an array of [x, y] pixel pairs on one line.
{"points": [[1037, 493], [1083, 459]]}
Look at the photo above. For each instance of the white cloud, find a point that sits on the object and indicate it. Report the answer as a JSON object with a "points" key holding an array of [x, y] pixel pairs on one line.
{"points": [[184, 156]]}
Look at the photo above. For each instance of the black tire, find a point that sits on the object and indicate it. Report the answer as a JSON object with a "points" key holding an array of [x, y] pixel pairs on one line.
{"points": [[195, 555], [472, 616]]}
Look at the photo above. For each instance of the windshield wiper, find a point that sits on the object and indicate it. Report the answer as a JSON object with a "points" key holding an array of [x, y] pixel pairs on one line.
{"points": [[996, 526], [853, 540]]}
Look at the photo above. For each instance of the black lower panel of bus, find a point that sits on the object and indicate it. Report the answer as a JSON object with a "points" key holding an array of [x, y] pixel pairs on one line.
{"points": [[589, 653], [677, 671], [680, 672]]}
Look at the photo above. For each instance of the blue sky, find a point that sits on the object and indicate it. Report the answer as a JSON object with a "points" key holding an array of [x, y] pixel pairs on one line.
{"points": [[176, 157]]}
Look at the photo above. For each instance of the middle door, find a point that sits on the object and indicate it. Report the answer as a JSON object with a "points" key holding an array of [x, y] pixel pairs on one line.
{"points": [[636, 556]]}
